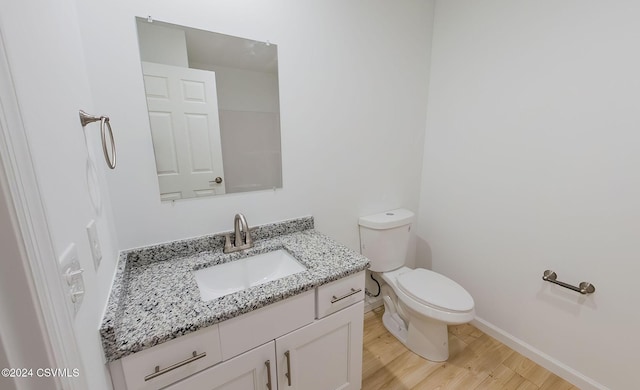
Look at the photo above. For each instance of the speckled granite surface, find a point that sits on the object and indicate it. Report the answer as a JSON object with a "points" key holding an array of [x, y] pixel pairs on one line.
{"points": [[155, 297]]}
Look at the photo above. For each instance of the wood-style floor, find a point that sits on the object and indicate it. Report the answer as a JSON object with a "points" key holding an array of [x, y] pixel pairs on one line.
{"points": [[476, 361]]}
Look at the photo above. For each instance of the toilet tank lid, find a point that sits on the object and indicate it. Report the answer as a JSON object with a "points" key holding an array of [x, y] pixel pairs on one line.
{"points": [[387, 219]]}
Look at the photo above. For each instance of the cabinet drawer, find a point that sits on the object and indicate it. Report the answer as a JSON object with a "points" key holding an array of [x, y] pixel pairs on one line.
{"points": [[242, 333], [339, 294], [175, 360]]}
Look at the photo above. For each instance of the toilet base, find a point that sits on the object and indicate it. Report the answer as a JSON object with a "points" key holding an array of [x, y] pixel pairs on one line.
{"points": [[424, 336], [428, 338]]}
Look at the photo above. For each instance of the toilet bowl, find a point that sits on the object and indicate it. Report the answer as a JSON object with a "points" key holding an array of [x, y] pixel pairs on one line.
{"points": [[419, 303], [426, 302]]}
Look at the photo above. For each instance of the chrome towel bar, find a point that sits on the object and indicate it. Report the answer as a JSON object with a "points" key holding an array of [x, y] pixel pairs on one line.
{"points": [[583, 287], [85, 119]]}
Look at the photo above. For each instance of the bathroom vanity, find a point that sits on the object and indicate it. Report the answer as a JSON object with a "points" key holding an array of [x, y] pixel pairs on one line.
{"points": [[301, 331]]}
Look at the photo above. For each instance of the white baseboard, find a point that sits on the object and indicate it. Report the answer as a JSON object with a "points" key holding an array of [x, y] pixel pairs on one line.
{"points": [[546, 361]]}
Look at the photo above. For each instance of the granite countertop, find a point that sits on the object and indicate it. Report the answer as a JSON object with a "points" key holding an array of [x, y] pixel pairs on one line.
{"points": [[155, 298]]}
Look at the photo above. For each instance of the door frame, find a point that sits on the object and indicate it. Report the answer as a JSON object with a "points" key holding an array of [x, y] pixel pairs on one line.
{"points": [[44, 289]]}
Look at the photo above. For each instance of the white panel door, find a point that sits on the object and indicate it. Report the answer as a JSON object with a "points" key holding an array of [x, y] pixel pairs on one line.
{"points": [[325, 355], [185, 128], [249, 371]]}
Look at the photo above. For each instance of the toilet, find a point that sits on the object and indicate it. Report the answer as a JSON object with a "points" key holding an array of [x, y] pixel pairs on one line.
{"points": [[418, 303]]}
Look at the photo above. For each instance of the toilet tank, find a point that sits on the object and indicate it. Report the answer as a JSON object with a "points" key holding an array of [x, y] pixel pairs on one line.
{"points": [[384, 238]]}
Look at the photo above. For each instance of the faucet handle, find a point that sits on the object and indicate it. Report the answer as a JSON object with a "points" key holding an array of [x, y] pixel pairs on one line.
{"points": [[227, 243]]}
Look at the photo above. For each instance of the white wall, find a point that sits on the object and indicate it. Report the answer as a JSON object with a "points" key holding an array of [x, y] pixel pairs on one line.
{"points": [[531, 163], [45, 55], [352, 99]]}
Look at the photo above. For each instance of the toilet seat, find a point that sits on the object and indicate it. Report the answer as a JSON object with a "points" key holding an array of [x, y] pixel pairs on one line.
{"points": [[434, 290], [424, 306]]}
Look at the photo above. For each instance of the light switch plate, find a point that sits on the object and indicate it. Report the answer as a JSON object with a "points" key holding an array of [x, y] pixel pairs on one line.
{"points": [[72, 280], [94, 243]]}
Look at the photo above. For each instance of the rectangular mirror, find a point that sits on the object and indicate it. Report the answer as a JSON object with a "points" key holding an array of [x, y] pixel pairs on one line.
{"points": [[214, 112]]}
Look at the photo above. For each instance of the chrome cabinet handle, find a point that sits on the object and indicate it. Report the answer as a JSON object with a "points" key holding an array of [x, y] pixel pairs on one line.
{"points": [[268, 364], [288, 373], [347, 295], [172, 367]]}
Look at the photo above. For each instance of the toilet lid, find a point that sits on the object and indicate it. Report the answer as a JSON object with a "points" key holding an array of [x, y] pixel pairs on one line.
{"points": [[431, 288]]}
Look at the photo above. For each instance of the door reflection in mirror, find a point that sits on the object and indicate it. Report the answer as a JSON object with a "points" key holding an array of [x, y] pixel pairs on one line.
{"points": [[213, 105]]}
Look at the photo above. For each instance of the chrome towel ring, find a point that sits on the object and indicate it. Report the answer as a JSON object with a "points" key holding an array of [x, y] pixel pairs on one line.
{"points": [[85, 119]]}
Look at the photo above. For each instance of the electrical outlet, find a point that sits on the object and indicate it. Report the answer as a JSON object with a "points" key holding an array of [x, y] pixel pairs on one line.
{"points": [[94, 243], [72, 280]]}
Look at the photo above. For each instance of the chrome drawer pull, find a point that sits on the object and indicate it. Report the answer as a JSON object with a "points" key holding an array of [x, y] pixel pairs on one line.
{"points": [[172, 367], [347, 295]]}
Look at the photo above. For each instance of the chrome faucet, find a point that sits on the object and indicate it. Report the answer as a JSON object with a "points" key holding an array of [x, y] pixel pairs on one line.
{"points": [[239, 242]]}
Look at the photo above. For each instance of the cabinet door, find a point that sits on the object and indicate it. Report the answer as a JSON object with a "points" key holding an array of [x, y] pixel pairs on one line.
{"points": [[250, 371], [324, 355]]}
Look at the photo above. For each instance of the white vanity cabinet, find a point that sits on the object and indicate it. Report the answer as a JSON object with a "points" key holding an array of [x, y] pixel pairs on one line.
{"points": [[324, 355], [311, 341]]}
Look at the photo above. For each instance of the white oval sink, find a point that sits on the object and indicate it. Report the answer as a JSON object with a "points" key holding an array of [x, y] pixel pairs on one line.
{"points": [[222, 279]]}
